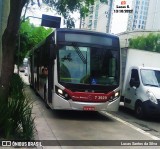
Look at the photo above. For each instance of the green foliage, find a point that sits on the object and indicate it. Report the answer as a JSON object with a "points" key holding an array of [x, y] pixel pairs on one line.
{"points": [[16, 121], [104, 1], [30, 36], [149, 43]]}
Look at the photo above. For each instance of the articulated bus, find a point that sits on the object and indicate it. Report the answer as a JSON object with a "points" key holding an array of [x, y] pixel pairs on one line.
{"points": [[77, 70]]}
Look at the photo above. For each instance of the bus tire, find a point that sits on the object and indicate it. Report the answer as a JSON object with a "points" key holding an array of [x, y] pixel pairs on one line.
{"points": [[139, 110], [35, 88], [35, 82], [45, 99]]}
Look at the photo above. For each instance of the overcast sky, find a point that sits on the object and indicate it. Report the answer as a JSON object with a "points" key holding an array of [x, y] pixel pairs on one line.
{"points": [[119, 22]]}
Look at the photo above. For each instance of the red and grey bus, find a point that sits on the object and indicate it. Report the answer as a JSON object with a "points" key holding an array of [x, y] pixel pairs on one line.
{"points": [[77, 70]]}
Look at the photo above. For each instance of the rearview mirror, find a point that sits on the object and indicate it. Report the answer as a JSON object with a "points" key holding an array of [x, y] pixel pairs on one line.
{"points": [[134, 83]]}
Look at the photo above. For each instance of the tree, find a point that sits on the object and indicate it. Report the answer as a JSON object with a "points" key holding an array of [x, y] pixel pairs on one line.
{"points": [[9, 45], [66, 7], [9, 37], [30, 36]]}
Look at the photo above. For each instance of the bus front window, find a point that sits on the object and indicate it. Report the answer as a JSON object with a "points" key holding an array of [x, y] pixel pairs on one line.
{"points": [[88, 65]]}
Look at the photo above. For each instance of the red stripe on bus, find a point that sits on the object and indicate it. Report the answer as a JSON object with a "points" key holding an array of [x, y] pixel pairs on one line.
{"points": [[89, 97]]}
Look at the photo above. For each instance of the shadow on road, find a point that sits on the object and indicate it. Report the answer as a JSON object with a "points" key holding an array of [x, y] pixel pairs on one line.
{"points": [[130, 113], [153, 119], [80, 115], [126, 111]]}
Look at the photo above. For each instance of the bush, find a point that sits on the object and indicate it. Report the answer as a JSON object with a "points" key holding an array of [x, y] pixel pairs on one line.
{"points": [[16, 121], [148, 43]]}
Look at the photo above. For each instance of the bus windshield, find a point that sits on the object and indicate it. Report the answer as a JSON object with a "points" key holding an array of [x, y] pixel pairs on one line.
{"points": [[88, 65]]}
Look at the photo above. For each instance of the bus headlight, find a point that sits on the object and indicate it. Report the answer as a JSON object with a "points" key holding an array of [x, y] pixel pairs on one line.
{"points": [[151, 97], [62, 93], [114, 96]]}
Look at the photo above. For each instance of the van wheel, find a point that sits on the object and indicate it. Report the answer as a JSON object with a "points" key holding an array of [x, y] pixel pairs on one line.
{"points": [[139, 110], [45, 99]]}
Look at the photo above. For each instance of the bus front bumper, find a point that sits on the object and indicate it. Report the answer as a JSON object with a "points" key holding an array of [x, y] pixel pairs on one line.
{"points": [[60, 103], [107, 106]]}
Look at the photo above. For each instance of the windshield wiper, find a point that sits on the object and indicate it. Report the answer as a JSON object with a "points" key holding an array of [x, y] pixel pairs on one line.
{"points": [[80, 54]]}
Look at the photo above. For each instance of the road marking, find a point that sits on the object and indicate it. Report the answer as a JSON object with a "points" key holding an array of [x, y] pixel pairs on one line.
{"points": [[130, 125]]}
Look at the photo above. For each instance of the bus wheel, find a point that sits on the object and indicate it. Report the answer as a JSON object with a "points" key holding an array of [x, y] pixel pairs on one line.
{"points": [[139, 110], [45, 99], [35, 85]]}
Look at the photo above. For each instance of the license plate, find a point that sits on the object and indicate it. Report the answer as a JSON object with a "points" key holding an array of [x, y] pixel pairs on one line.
{"points": [[88, 108]]}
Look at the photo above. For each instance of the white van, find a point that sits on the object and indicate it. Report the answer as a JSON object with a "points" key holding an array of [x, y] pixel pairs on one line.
{"points": [[141, 82]]}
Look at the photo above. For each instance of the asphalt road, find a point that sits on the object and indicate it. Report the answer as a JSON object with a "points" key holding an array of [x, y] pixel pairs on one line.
{"points": [[94, 126], [150, 125]]}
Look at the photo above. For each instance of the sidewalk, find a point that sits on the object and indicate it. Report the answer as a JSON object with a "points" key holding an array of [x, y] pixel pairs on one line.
{"points": [[43, 131]]}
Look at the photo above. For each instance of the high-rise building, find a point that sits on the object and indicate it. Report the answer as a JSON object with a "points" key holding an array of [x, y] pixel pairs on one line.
{"points": [[138, 19], [99, 17], [153, 21]]}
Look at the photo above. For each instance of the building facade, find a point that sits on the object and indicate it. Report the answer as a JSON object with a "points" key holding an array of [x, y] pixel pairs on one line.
{"points": [[153, 20], [138, 19], [99, 17]]}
